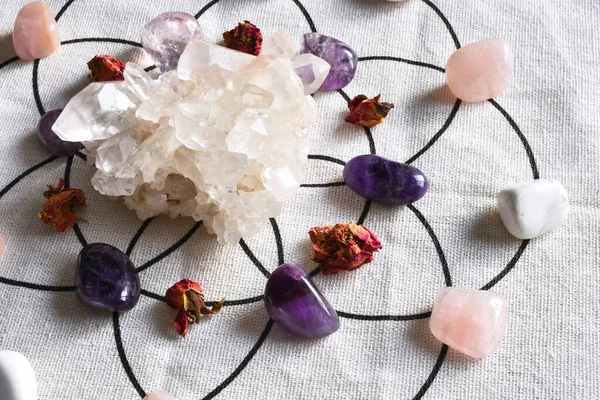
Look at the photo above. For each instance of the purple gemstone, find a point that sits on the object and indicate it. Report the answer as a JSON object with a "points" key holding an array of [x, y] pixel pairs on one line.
{"points": [[294, 303], [55, 145], [106, 278], [166, 36], [339, 55], [385, 181]]}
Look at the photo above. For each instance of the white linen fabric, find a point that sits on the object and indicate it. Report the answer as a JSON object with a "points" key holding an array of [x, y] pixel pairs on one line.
{"points": [[552, 347]]}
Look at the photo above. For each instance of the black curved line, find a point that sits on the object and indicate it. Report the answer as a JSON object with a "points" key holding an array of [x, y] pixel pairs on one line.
{"points": [[243, 364], [326, 158], [123, 356], [63, 9], [278, 241], [227, 303], [102, 40], [436, 243], [365, 212], [511, 264], [25, 174], [35, 286], [171, 249], [321, 185], [137, 236], [439, 133], [360, 317], [307, 16], [79, 235], [36, 90], [402, 60], [150, 68], [433, 374], [367, 130], [9, 61], [513, 124], [81, 155], [315, 272], [446, 22], [206, 8], [253, 258]]}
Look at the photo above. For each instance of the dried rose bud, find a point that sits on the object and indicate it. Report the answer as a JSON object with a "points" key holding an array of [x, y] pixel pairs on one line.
{"points": [[343, 247], [106, 69], [367, 112], [245, 37], [58, 209], [187, 297]]}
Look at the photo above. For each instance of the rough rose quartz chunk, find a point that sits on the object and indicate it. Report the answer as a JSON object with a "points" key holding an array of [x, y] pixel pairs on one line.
{"points": [[470, 321], [481, 70], [35, 34], [159, 395]]}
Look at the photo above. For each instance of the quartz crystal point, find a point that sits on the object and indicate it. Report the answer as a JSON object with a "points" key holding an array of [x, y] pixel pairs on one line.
{"points": [[384, 181], [530, 209], [296, 305], [166, 36], [221, 139], [341, 57], [106, 278], [35, 33], [17, 377], [279, 44], [55, 145], [312, 70], [481, 70], [470, 321]]}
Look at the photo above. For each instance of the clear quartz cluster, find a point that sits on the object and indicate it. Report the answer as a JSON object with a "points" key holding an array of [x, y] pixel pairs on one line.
{"points": [[220, 139]]}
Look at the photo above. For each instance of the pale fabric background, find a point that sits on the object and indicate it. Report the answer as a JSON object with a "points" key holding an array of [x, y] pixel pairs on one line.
{"points": [[552, 347]]}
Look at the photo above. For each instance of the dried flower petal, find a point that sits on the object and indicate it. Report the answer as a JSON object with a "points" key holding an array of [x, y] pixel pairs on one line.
{"points": [[58, 209], [187, 297], [368, 112], [245, 37], [343, 247], [106, 69]]}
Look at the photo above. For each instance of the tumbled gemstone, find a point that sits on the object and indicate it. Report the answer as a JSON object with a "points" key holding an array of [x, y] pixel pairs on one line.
{"points": [[166, 36], [532, 208], [342, 59], [17, 377], [312, 70], [106, 278], [35, 33], [159, 395], [55, 145], [385, 181], [481, 70], [470, 321], [295, 304]]}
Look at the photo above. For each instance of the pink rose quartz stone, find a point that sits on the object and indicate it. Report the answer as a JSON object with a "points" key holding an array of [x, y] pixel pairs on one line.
{"points": [[2, 245], [35, 34], [159, 395], [470, 321], [481, 70]]}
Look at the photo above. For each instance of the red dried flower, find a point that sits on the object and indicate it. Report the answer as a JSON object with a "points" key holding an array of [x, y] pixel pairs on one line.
{"points": [[187, 297], [58, 209], [245, 37], [106, 69], [343, 247], [368, 112]]}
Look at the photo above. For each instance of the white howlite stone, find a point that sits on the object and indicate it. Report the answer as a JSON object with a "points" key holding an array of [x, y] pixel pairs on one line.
{"points": [[221, 139], [17, 378], [530, 209]]}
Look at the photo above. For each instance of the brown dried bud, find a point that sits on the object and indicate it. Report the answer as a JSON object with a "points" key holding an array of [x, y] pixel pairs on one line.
{"points": [[367, 112], [106, 69], [246, 37], [58, 209]]}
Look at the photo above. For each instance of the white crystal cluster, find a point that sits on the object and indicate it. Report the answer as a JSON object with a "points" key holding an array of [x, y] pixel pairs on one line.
{"points": [[221, 139]]}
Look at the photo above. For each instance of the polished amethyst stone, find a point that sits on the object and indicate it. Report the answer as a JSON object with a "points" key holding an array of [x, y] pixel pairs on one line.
{"points": [[294, 303], [55, 145], [339, 55], [106, 278], [385, 181]]}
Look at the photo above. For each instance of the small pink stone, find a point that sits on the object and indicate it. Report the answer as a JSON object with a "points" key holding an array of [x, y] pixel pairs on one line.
{"points": [[470, 321], [159, 395], [2, 245], [35, 34], [481, 70]]}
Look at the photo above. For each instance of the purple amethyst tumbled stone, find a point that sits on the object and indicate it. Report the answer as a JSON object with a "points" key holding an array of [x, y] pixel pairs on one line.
{"points": [[385, 181], [55, 145], [106, 278], [295, 304], [342, 59]]}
